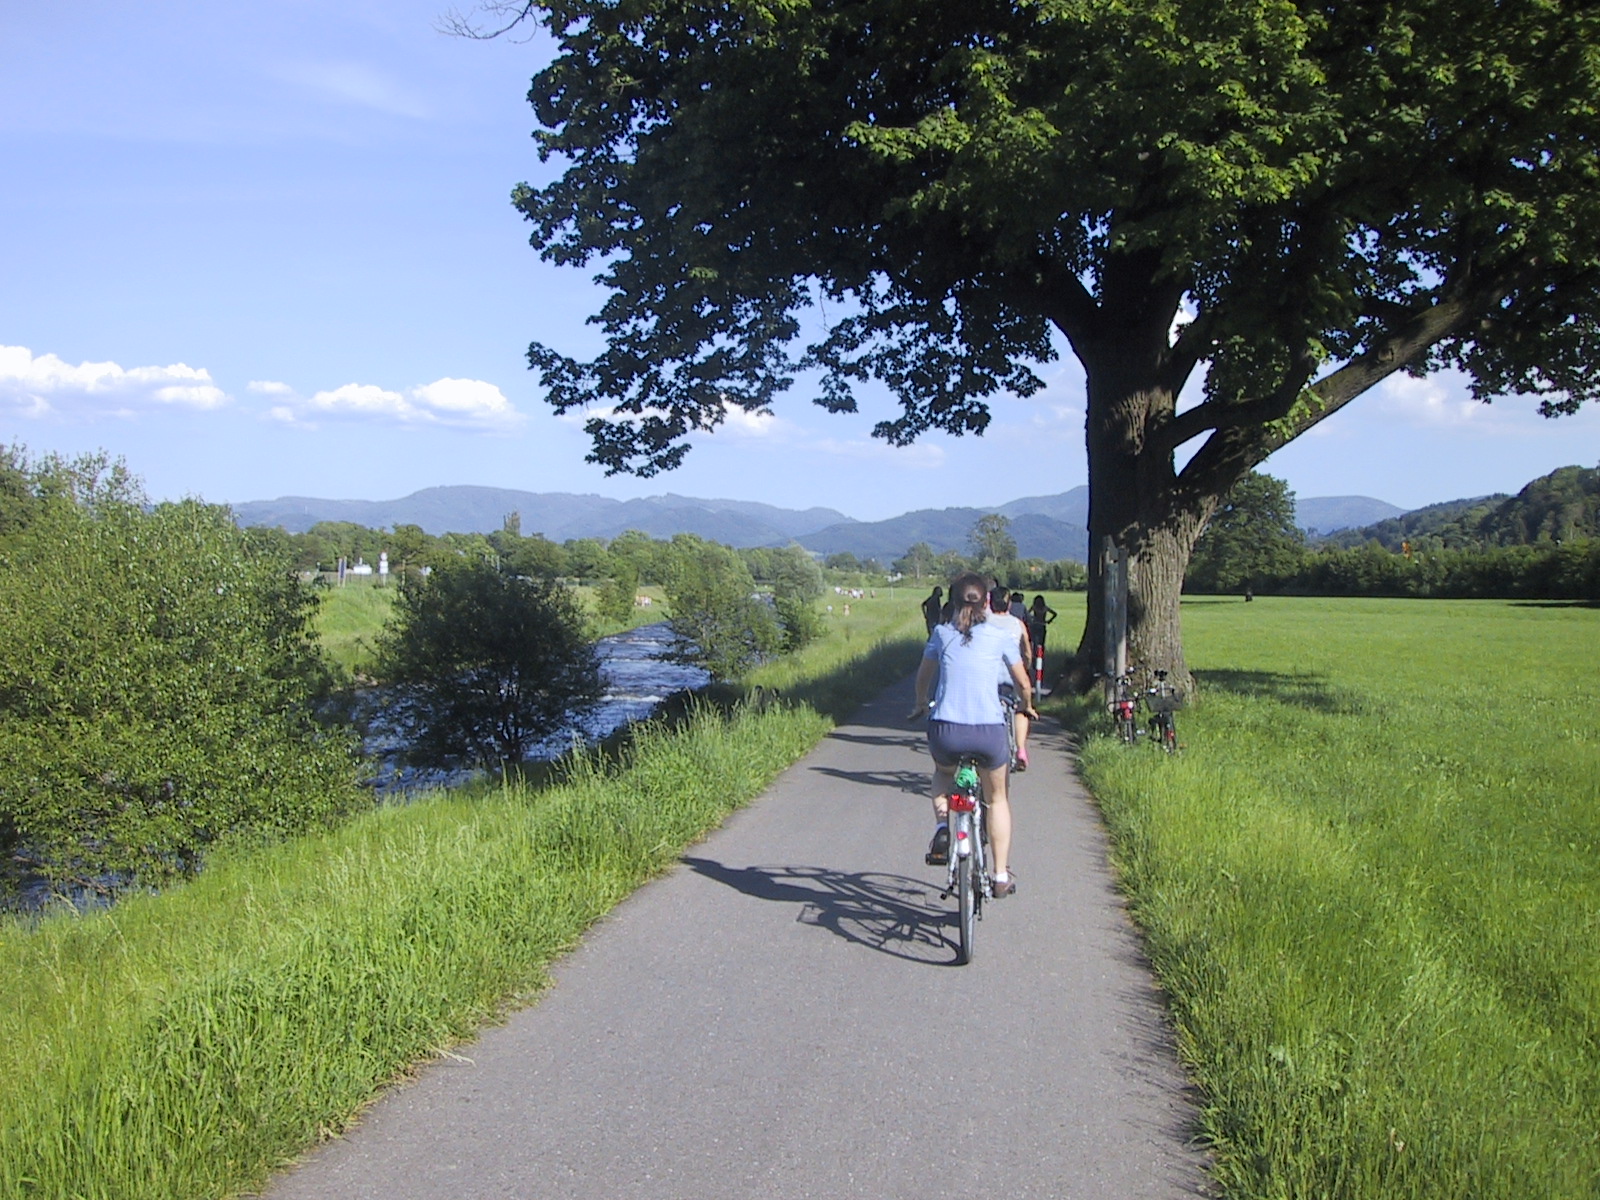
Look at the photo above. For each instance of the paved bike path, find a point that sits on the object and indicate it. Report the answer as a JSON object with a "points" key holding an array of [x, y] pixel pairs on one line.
{"points": [[779, 1017]]}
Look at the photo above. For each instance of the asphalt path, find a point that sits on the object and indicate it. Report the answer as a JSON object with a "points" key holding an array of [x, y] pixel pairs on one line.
{"points": [[781, 1017]]}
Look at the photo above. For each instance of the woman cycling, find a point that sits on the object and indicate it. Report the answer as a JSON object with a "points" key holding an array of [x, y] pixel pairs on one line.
{"points": [[967, 655]]}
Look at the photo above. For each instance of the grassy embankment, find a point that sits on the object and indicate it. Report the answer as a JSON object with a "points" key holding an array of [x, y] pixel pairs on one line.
{"points": [[182, 1044], [1371, 885], [350, 617]]}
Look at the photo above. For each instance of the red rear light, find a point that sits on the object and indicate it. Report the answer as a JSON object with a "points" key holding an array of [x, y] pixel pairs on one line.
{"points": [[963, 802]]}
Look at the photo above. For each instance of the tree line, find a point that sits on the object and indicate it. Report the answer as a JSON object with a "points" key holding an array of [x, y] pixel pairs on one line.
{"points": [[162, 692], [1543, 543]]}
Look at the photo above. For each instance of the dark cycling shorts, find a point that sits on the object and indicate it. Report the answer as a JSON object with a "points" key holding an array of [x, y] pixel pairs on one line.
{"points": [[947, 742]]}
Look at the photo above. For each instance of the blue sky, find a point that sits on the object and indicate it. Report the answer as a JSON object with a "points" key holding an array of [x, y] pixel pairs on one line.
{"points": [[263, 250]]}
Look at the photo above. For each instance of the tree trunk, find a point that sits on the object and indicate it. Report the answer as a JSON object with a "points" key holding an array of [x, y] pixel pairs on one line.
{"points": [[1137, 499]]}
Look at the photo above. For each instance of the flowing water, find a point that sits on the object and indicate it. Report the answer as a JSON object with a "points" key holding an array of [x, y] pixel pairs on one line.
{"points": [[638, 676]]}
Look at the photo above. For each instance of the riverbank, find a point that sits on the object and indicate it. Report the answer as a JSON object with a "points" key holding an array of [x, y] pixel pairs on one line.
{"points": [[184, 1043]]}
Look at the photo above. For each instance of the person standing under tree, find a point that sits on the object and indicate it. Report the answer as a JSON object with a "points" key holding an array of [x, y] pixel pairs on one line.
{"points": [[931, 609]]}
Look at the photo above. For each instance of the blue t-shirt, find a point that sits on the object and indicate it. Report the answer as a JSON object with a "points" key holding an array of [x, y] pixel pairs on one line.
{"points": [[966, 692]]}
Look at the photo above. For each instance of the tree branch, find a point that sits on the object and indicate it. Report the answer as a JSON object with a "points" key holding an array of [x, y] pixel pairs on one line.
{"points": [[1246, 434]]}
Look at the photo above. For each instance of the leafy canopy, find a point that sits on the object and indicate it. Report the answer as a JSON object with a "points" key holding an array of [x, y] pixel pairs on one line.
{"points": [[1327, 192], [717, 621], [1251, 538], [485, 663], [159, 682]]}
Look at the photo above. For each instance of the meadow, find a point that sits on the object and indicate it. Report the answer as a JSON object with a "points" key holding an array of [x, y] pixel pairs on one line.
{"points": [[182, 1044], [1370, 884]]}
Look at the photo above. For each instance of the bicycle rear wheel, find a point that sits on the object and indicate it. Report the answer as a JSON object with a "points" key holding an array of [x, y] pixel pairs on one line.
{"points": [[966, 911]]}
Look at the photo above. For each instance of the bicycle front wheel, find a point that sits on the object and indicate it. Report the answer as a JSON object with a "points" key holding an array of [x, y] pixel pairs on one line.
{"points": [[966, 911]]}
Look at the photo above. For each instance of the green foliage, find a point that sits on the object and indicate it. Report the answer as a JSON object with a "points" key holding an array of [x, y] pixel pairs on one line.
{"points": [[1369, 886], [1313, 197], [993, 547], [1561, 507], [618, 594], [1544, 572], [535, 557], [158, 684], [484, 664], [918, 560], [717, 620], [796, 583], [1251, 538], [586, 558]]}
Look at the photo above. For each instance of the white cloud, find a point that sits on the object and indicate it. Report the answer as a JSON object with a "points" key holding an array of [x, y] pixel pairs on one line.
{"points": [[354, 83], [451, 403], [759, 424], [736, 421], [1436, 402], [38, 386]]}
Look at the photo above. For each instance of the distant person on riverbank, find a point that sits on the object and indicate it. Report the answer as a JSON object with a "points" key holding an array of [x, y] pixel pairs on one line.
{"points": [[932, 607]]}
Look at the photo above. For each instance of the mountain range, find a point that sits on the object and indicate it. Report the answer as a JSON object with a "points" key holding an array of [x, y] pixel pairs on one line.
{"points": [[1047, 527]]}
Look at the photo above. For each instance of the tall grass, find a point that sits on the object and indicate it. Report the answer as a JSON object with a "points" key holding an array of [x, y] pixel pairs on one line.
{"points": [[1371, 885], [183, 1043]]}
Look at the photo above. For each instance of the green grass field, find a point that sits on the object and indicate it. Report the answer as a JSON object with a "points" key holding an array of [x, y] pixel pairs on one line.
{"points": [[348, 620], [1371, 885], [350, 617]]}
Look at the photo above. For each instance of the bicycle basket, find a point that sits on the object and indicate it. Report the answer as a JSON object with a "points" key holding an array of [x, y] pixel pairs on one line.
{"points": [[1160, 702]]}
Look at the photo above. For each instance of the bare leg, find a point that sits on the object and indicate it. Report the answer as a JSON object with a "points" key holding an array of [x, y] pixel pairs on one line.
{"points": [[994, 787], [1023, 725], [944, 781]]}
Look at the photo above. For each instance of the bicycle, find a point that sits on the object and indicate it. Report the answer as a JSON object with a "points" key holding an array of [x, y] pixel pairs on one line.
{"points": [[1124, 705], [968, 878], [1162, 699], [1009, 706]]}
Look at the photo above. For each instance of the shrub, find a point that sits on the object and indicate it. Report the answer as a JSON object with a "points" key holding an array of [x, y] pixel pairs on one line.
{"points": [[485, 664], [158, 688]]}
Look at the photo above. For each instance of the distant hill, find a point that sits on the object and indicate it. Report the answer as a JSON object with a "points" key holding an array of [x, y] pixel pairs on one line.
{"points": [[1561, 506], [1328, 514], [1070, 507], [557, 515], [1037, 536]]}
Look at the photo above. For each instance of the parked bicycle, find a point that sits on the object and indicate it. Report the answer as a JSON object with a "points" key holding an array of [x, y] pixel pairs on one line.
{"points": [[1124, 706], [1163, 700]]}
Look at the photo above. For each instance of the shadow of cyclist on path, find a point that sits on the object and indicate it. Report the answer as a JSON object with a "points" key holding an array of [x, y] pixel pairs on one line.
{"points": [[892, 914]]}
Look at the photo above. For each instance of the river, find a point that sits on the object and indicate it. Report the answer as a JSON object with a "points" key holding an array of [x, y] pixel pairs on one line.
{"points": [[638, 676]]}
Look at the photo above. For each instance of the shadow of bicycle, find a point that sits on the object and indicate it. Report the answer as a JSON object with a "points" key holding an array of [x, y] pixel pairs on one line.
{"points": [[892, 914]]}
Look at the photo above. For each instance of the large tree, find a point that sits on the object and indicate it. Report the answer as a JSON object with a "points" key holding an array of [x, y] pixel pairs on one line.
{"points": [[1251, 538], [484, 663], [1293, 200]]}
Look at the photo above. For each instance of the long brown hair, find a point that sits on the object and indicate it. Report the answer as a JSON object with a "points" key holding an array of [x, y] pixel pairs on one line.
{"points": [[970, 595]]}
